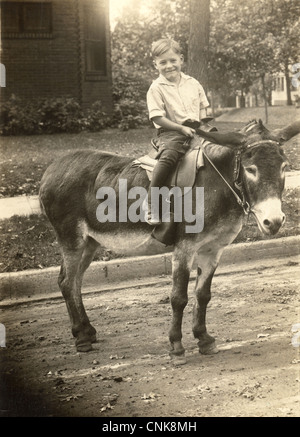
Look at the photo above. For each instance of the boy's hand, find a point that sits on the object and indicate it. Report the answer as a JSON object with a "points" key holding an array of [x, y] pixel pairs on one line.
{"points": [[187, 131]]}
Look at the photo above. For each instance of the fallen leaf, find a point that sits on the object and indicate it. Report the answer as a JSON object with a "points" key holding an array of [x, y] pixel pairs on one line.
{"points": [[116, 357], [262, 335], [72, 397], [106, 407], [118, 378], [150, 396]]}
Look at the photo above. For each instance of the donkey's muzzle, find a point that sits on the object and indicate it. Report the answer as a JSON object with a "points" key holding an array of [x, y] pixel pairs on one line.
{"points": [[273, 226], [269, 216]]}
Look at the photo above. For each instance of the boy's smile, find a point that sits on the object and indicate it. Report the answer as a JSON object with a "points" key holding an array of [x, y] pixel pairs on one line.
{"points": [[169, 65]]}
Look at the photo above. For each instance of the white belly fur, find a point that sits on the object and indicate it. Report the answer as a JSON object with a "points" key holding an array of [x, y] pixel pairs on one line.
{"points": [[130, 243]]}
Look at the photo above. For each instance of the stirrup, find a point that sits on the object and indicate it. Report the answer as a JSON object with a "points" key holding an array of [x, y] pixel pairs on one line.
{"points": [[152, 221]]}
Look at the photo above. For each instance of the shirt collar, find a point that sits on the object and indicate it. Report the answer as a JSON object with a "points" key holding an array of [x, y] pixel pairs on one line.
{"points": [[163, 80]]}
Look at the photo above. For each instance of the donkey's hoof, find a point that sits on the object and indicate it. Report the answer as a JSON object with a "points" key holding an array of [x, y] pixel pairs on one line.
{"points": [[84, 346], [93, 338], [209, 349], [178, 360]]}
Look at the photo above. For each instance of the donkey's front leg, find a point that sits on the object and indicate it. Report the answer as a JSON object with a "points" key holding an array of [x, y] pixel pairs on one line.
{"points": [[179, 297], [207, 264]]}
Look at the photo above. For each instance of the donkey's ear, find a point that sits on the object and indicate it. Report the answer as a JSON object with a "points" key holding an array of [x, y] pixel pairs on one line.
{"points": [[287, 132], [228, 139]]}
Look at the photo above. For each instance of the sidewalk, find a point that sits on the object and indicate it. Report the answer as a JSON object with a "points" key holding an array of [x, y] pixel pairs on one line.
{"points": [[26, 205], [20, 205]]}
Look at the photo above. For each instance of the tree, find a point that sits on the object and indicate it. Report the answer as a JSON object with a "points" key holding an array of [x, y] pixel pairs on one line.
{"points": [[198, 47], [140, 25], [229, 45], [252, 40], [283, 23]]}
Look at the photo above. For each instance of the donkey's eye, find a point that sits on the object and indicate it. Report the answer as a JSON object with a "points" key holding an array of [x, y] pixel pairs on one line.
{"points": [[251, 170]]}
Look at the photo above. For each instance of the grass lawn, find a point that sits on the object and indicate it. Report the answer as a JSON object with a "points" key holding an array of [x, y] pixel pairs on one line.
{"points": [[25, 159]]}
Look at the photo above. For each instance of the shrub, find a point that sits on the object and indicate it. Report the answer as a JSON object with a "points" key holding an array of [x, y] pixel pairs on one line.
{"points": [[129, 93], [17, 119], [60, 115], [95, 118], [131, 113], [47, 116]]}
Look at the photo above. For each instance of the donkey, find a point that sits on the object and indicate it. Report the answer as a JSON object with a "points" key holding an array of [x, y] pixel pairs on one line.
{"points": [[243, 172]]}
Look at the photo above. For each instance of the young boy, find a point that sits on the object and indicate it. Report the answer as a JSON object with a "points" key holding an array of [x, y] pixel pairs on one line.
{"points": [[172, 99]]}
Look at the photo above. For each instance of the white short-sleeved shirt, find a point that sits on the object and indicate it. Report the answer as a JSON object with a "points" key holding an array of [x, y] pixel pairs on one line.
{"points": [[176, 102]]}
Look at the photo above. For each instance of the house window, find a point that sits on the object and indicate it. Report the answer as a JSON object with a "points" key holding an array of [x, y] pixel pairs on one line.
{"points": [[26, 19], [95, 41]]}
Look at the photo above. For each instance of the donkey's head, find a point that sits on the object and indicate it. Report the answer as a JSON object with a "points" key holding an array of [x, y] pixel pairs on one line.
{"points": [[262, 177], [263, 173], [262, 166]]}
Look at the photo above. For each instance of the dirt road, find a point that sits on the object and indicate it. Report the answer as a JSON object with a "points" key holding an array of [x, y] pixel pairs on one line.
{"points": [[129, 373]]}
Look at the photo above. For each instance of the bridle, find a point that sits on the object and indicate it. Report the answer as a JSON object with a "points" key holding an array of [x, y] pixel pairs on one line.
{"points": [[240, 196]]}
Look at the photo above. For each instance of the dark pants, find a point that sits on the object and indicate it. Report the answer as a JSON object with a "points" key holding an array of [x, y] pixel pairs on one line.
{"points": [[172, 146], [167, 162]]}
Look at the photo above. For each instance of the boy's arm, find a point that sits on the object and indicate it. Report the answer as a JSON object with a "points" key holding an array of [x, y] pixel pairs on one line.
{"points": [[167, 124], [204, 103], [203, 113]]}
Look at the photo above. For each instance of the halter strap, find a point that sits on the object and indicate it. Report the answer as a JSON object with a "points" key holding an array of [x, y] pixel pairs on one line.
{"points": [[258, 143], [242, 202]]}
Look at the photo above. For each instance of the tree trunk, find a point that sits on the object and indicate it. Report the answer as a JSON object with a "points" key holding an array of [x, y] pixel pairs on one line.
{"points": [[265, 97], [288, 84], [199, 40], [270, 97], [243, 100], [212, 103]]}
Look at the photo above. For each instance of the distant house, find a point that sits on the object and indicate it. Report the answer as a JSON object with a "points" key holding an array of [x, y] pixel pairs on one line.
{"points": [[279, 91], [56, 48]]}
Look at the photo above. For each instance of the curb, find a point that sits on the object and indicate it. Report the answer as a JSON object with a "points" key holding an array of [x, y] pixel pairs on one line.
{"points": [[19, 287]]}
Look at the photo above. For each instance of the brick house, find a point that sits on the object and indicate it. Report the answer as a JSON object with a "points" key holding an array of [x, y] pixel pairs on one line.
{"points": [[57, 48]]}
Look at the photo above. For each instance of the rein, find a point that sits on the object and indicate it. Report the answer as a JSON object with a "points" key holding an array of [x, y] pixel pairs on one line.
{"points": [[241, 200]]}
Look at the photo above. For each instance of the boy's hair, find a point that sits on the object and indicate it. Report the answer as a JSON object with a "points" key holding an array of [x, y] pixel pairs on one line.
{"points": [[161, 46]]}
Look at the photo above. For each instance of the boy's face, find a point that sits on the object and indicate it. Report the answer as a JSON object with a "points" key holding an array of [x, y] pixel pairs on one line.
{"points": [[169, 65]]}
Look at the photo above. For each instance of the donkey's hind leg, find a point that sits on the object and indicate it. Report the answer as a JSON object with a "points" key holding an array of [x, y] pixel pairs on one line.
{"points": [[86, 259], [75, 262]]}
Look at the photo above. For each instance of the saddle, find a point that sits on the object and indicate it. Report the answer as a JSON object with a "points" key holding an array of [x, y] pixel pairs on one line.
{"points": [[185, 173], [183, 176]]}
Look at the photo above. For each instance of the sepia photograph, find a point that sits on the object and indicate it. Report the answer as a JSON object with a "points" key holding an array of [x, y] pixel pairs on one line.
{"points": [[149, 211]]}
